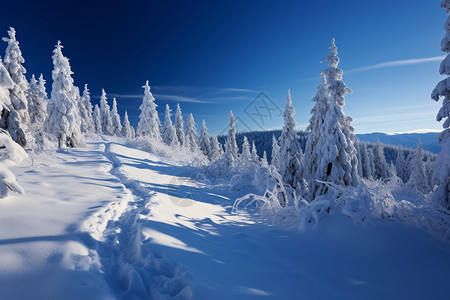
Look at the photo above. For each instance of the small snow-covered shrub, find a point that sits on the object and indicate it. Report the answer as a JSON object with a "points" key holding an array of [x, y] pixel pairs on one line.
{"points": [[177, 154], [10, 151], [8, 182]]}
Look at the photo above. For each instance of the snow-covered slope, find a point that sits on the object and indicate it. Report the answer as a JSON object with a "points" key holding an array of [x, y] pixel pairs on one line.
{"points": [[110, 221]]}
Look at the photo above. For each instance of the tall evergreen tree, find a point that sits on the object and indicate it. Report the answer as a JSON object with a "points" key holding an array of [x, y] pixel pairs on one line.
{"points": [[97, 120], [86, 113], [275, 161], [442, 166], [204, 141], [191, 134], [13, 62], [37, 104], [290, 154], [314, 129], [216, 149], [15, 115], [418, 180], [400, 165], [169, 134], [179, 126], [366, 163], [381, 168], [127, 132], [231, 148], [116, 125], [264, 162], [336, 153], [63, 119], [254, 154], [105, 115], [245, 153], [149, 124]]}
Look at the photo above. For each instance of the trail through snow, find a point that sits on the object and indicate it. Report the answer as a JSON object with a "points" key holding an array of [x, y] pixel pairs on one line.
{"points": [[113, 222]]}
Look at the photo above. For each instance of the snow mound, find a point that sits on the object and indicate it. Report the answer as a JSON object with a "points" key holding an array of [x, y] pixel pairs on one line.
{"points": [[10, 152]]}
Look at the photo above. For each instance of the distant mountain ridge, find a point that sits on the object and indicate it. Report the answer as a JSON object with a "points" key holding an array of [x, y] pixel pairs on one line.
{"points": [[408, 140]]}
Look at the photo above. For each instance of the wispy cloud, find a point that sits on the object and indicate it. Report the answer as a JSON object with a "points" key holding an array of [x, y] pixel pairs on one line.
{"points": [[193, 94], [396, 63], [180, 98]]}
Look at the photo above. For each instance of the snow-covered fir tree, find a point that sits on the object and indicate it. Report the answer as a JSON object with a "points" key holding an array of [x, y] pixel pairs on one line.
{"points": [[204, 141], [127, 132], [63, 119], [116, 125], [290, 152], [366, 161], [191, 134], [42, 86], [254, 154], [275, 161], [15, 113], [264, 162], [97, 120], [336, 153], [13, 62], [400, 166], [6, 84], [37, 104], [169, 134], [245, 153], [359, 158], [417, 180], [86, 113], [149, 125], [105, 115], [318, 113], [216, 149], [381, 168], [442, 165], [179, 126], [231, 149]]}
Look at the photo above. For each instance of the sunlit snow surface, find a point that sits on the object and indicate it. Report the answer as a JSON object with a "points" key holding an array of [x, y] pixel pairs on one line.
{"points": [[112, 222]]}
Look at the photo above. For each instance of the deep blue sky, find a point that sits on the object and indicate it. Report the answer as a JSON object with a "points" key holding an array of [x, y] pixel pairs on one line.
{"points": [[214, 56]]}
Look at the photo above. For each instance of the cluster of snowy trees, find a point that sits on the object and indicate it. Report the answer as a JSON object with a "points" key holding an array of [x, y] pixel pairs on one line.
{"points": [[328, 152]]}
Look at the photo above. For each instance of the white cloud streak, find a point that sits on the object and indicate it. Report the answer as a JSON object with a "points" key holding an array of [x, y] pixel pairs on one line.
{"points": [[396, 63]]}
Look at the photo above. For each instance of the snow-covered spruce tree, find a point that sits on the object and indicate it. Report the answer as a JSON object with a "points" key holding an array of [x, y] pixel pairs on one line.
{"points": [[245, 153], [86, 113], [400, 165], [97, 120], [204, 141], [179, 126], [116, 126], [336, 153], [13, 61], [63, 119], [37, 104], [169, 134], [359, 158], [418, 180], [15, 115], [149, 125], [318, 113], [290, 153], [105, 115], [264, 162], [42, 86], [254, 154], [231, 149], [127, 132], [191, 134], [381, 168], [6, 84], [366, 163], [442, 165], [275, 161], [216, 149]]}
